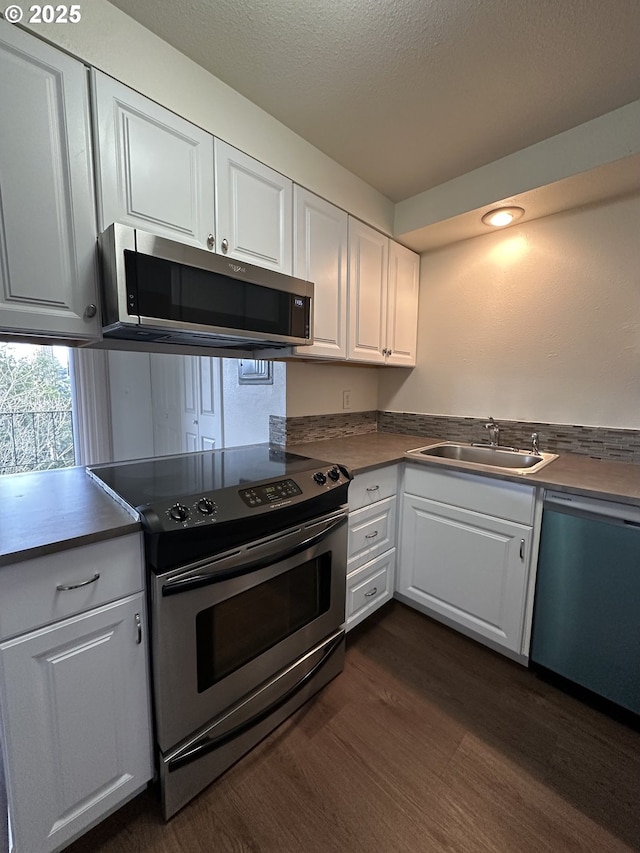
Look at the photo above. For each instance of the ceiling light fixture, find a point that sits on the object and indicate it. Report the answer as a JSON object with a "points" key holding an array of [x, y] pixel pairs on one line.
{"points": [[501, 216]]}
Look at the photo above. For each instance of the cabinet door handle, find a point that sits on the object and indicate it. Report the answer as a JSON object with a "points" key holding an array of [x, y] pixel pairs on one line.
{"points": [[522, 549], [91, 310], [371, 535], [372, 488], [211, 241], [63, 587], [373, 592], [225, 245], [138, 629]]}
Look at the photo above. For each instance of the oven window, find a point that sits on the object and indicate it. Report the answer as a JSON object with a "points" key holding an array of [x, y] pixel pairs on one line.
{"points": [[239, 629]]}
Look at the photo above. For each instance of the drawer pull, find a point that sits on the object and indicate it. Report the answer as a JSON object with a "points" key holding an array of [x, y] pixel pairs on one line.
{"points": [[371, 535], [373, 592], [63, 587], [372, 488], [138, 629]]}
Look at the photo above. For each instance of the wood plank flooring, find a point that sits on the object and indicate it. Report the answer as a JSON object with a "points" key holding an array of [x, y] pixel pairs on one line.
{"points": [[426, 742]]}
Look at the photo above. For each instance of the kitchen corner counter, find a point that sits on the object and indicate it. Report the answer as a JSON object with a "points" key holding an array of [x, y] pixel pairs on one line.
{"points": [[570, 472], [47, 511]]}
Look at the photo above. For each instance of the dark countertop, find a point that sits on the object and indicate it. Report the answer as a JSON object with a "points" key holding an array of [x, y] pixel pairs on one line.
{"points": [[47, 511], [570, 472]]}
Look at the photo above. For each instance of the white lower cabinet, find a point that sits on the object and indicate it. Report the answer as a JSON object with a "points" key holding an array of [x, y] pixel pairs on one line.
{"points": [[75, 713], [372, 540], [459, 562]]}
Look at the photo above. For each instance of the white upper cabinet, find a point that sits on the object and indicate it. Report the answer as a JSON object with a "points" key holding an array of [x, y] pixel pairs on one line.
{"points": [[320, 234], [253, 210], [47, 212], [383, 298], [368, 271], [154, 169], [402, 305]]}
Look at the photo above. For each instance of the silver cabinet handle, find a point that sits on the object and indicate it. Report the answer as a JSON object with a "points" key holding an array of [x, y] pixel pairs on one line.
{"points": [[211, 241], [90, 311], [225, 245], [522, 549], [63, 587], [371, 535], [138, 629], [372, 488], [373, 592]]}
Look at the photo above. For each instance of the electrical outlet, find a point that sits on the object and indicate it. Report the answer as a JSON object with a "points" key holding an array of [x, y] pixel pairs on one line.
{"points": [[346, 399]]}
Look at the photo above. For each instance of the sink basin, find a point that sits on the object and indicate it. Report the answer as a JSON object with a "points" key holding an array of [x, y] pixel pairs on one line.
{"points": [[484, 456]]}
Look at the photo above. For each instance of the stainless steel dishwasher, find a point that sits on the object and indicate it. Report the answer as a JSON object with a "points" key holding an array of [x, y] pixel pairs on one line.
{"points": [[586, 617]]}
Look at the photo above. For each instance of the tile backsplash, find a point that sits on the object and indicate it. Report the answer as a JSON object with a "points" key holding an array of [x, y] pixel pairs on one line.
{"points": [[622, 445]]}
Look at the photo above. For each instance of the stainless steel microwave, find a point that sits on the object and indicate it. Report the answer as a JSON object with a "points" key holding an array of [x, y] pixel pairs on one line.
{"points": [[160, 291]]}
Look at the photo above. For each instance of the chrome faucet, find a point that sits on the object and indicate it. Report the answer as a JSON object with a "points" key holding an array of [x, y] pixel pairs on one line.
{"points": [[494, 432], [534, 443]]}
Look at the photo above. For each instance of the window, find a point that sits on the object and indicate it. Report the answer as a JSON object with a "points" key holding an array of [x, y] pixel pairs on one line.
{"points": [[36, 420]]}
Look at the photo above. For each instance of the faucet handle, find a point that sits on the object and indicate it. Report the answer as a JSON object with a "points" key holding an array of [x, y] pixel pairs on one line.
{"points": [[534, 443]]}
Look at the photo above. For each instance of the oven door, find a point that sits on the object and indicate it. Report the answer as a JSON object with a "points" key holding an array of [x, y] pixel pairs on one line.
{"points": [[221, 628]]}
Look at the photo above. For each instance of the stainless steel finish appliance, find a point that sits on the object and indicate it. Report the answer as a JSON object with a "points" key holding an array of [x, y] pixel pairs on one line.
{"points": [[246, 551], [587, 601], [159, 291]]}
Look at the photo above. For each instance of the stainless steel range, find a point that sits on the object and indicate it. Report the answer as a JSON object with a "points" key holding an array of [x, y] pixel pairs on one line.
{"points": [[246, 552]]}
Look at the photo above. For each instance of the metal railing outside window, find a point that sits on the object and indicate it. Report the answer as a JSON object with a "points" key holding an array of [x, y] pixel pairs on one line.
{"points": [[35, 441]]}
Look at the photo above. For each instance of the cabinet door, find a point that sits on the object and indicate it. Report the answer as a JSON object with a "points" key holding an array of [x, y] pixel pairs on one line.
{"points": [[320, 255], [253, 210], [471, 569], [402, 305], [47, 211], [368, 270], [155, 170], [75, 722]]}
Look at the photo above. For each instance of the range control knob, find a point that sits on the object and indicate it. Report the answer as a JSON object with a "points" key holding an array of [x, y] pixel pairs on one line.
{"points": [[333, 474], [205, 506], [320, 478], [179, 512]]}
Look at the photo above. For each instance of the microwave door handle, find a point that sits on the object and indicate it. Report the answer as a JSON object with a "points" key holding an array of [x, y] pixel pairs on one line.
{"points": [[178, 585], [207, 745]]}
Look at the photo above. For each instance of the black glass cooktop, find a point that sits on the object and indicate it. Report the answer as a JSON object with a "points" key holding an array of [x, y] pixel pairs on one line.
{"points": [[168, 477]]}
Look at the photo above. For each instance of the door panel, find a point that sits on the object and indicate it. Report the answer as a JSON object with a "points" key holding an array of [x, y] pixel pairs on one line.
{"points": [[253, 210]]}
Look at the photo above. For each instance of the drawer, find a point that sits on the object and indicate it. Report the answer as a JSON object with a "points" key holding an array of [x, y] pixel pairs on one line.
{"points": [[373, 486], [500, 498], [29, 594], [372, 530], [369, 587]]}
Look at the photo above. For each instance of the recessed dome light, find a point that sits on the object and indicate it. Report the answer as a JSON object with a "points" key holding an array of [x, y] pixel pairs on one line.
{"points": [[501, 216]]}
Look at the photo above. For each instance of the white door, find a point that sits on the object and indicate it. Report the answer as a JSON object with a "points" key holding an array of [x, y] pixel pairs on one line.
{"points": [[465, 566], [186, 394], [253, 210], [47, 210], [402, 305], [155, 170], [368, 271], [320, 256], [209, 403], [166, 403], [75, 722]]}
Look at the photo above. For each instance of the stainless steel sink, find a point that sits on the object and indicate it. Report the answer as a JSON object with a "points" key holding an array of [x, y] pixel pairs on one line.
{"points": [[484, 456]]}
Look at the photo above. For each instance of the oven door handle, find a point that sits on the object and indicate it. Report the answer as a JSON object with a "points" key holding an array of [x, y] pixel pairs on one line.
{"points": [[207, 745], [178, 585]]}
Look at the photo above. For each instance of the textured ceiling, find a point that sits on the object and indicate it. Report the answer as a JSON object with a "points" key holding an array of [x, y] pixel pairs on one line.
{"points": [[408, 94]]}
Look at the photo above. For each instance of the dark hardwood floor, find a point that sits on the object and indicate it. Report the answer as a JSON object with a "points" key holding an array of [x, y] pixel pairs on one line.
{"points": [[426, 742]]}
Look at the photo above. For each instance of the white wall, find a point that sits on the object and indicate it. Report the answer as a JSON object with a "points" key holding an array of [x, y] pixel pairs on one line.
{"points": [[538, 322], [317, 388], [246, 408], [116, 44], [131, 411]]}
